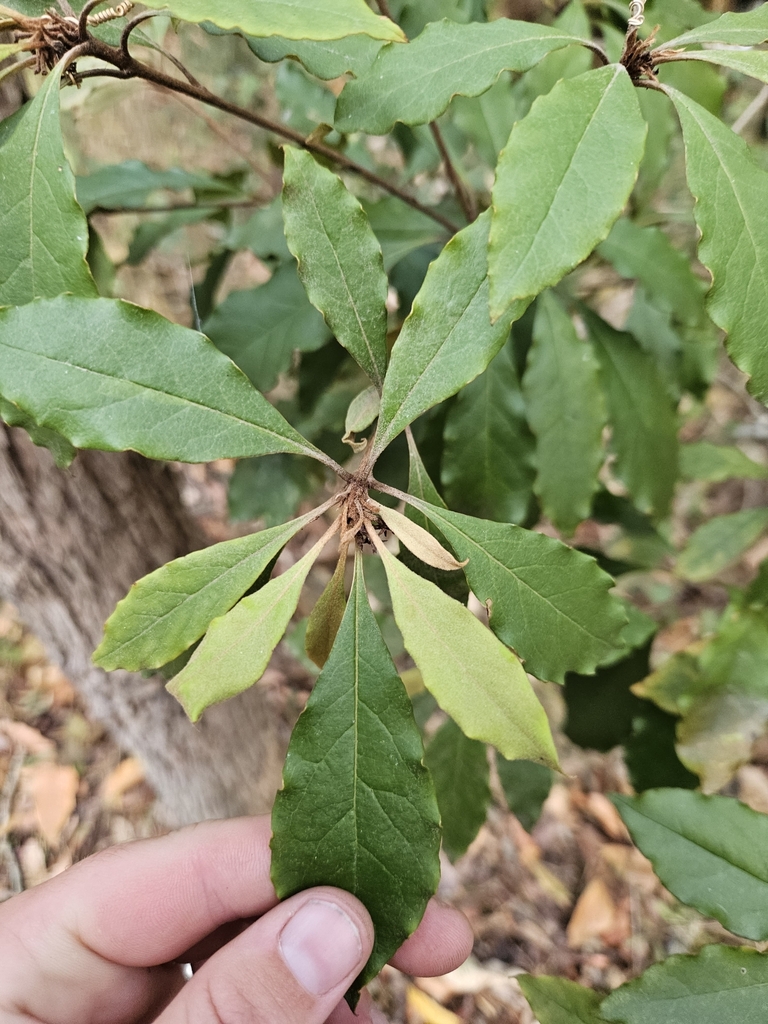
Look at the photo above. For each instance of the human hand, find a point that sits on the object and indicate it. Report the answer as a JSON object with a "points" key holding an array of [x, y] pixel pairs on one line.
{"points": [[102, 943]]}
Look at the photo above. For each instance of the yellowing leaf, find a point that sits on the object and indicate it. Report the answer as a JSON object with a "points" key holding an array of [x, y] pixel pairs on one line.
{"points": [[422, 544]]}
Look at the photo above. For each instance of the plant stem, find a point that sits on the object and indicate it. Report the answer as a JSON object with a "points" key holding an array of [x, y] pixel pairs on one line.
{"points": [[128, 67], [758, 104], [465, 198]]}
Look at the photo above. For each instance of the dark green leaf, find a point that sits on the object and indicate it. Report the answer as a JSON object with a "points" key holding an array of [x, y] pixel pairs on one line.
{"points": [[151, 232], [62, 451], [261, 328], [526, 786], [459, 770], [487, 120], [709, 851], [271, 488], [448, 338], [567, 63], [714, 463], [339, 259], [131, 183], [558, 191], [415, 83], [262, 233], [238, 645], [294, 19], [107, 374], [344, 817], [566, 411], [732, 216], [329, 58], [644, 434], [747, 29], [474, 678], [9, 124], [660, 117], [721, 541], [557, 1001], [719, 984], [166, 611], [400, 229], [44, 232], [548, 601], [650, 755]]}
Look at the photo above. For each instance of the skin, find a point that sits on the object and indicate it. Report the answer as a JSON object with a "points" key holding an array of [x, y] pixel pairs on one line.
{"points": [[102, 943]]}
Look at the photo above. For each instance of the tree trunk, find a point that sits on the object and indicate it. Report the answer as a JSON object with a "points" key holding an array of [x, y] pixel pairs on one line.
{"points": [[71, 544]]}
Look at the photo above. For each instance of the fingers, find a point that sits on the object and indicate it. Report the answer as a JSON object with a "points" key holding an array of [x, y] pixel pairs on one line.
{"points": [[440, 944], [365, 1013], [292, 966]]}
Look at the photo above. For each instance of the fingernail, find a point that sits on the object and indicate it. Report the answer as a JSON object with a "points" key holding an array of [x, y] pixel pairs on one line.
{"points": [[321, 946]]}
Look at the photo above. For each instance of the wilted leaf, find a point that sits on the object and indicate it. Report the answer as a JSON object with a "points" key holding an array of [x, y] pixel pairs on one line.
{"points": [[559, 189], [53, 788], [459, 770], [709, 851], [325, 619], [415, 83], [166, 611], [107, 374], [237, 647], [548, 601], [344, 817], [339, 258], [474, 678], [418, 540]]}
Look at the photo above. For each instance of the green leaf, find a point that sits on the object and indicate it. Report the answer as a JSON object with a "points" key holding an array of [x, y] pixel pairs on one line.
{"points": [[473, 677], [324, 622], [400, 229], [732, 216], [459, 770], [557, 1001], [166, 611], [720, 984], [339, 259], [272, 487], [526, 786], [448, 338], [748, 29], [62, 451], [44, 231], [487, 465], [487, 120], [238, 645], [262, 233], [110, 375], [130, 184], [364, 823], [293, 19], [566, 411], [9, 49], [261, 328], [714, 463], [665, 273], [562, 180], [650, 754], [661, 128], [720, 542], [709, 851], [644, 434], [415, 83], [9, 124], [327, 59], [153, 231], [362, 411], [568, 63], [548, 601], [753, 63]]}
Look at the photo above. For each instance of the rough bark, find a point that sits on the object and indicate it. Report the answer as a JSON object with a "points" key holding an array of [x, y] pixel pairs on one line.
{"points": [[71, 544]]}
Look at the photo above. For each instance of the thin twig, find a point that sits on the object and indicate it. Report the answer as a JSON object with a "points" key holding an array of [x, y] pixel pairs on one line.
{"points": [[465, 198], [384, 8], [133, 68], [223, 204], [755, 108], [7, 794], [82, 24]]}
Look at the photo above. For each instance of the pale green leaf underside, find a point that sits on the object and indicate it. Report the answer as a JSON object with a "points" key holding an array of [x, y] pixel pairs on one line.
{"points": [[237, 647], [325, 59], [732, 214], [473, 677], [62, 451], [557, 1001], [44, 232], [339, 257], [720, 984], [719, 542], [166, 611], [709, 851], [548, 601], [357, 809], [747, 29], [701, 460], [753, 63], [566, 412], [448, 338], [107, 374], [460, 772], [415, 83], [293, 19], [561, 181]]}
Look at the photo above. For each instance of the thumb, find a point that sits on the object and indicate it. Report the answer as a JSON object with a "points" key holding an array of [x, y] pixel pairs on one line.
{"points": [[292, 966]]}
